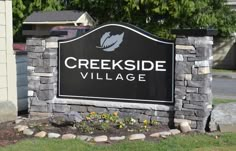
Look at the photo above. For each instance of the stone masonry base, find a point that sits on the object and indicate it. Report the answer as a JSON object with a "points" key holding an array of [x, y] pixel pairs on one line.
{"points": [[164, 114], [193, 96]]}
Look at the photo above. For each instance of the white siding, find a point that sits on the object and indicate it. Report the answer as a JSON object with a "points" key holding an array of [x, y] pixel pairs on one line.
{"points": [[3, 58], [2, 31], [3, 61], [3, 94], [2, 19], [11, 62], [3, 81], [8, 94], [2, 6], [2, 44], [3, 69]]}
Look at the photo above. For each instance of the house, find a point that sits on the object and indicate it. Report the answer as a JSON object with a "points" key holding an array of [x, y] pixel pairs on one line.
{"points": [[8, 91], [231, 4], [46, 20], [224, 53]]}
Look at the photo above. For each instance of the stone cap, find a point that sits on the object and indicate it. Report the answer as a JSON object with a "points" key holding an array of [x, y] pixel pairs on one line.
{"points": [[195, 32]]}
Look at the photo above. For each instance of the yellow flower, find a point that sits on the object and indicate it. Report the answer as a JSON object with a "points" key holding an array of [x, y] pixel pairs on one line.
{"points": [[115, 113], [103, 115], [92, 113], [88, 118], [145, 122]]}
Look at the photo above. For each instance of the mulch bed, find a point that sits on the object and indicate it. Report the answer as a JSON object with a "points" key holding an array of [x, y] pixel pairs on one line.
{"points": [[9, 136]]}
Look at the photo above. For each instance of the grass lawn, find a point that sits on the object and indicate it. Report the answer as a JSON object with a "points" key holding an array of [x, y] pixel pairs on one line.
{"points": [[195, 142], [228, 148], [223, 70], [219, 101]]}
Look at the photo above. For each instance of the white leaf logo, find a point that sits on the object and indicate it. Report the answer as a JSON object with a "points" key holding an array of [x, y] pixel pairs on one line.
{"points": [[110, 43]]}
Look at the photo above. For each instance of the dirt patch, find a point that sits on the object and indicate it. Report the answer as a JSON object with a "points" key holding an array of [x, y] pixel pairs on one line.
{"points": [[8, 134]]}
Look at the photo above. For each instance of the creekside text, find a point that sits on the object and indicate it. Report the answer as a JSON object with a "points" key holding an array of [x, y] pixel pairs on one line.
{"points": [[117, 65]]}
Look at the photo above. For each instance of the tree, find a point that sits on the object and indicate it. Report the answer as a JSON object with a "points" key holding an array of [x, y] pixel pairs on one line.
{"points": [[165, 15], [18, 17], [20, 12], [155, 16], [53, 5], [101, 10], [160, 16], [45, 5]]}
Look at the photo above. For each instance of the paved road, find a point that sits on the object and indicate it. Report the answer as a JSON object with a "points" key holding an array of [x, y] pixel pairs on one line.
{"points": [[224, 88]]}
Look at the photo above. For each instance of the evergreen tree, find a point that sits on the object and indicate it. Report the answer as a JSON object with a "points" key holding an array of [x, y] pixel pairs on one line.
{"points": [[18, 17], [45, 5], [156, 16], [160, 16], [20, 12], [51, 5]]}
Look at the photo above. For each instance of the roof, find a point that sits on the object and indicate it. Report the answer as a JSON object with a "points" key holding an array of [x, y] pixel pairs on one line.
{"points": [[54, 16], [230, 2], [72, 31]]}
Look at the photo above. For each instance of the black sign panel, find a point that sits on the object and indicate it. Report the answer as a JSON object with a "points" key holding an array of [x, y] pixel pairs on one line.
{"points": [[117, 62]]}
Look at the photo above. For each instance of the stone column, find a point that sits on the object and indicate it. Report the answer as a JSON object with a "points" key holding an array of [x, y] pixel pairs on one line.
{"points": [[193, 78], [42, 74]]}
